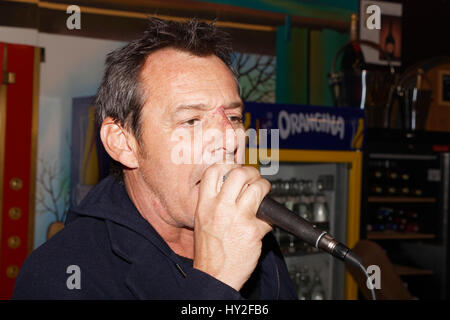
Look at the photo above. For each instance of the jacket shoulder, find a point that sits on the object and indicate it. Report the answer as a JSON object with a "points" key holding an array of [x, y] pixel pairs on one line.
{"points": [[67, 265]]}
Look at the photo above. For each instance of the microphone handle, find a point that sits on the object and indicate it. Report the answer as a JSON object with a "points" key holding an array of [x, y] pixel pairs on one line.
{"points": [[278, 215]]}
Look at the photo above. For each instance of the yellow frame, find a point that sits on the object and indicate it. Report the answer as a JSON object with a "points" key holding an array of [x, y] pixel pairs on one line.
{"points": [[354, 159]]}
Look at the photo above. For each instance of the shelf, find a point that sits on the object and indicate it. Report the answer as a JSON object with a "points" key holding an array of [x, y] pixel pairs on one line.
{"points": [[410, 271], [401, 199], [385, 235]]}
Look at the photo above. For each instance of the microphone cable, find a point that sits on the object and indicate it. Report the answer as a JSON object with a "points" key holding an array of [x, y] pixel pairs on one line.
{"points": [[352, 259]]}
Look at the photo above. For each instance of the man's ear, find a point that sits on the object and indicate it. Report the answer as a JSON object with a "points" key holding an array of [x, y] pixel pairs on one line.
{"points": [[119, 143]]}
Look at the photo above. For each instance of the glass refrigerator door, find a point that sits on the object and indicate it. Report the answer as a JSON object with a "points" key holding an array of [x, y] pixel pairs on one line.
{"points": [[317, 192]]}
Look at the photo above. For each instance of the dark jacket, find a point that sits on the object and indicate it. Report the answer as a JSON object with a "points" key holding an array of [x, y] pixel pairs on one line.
{"points": [[120, 256]]}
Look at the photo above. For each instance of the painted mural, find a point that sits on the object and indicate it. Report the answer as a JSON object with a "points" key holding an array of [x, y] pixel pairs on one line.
{"points": [[256, 76], [66, 73]]}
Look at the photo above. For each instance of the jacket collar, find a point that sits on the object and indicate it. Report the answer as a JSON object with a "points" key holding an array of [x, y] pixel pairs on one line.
{"points": [[127, 229]]}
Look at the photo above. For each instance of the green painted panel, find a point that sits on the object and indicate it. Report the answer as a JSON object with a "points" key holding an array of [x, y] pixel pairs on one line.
{"points": [[292, 65], [323, 46], [316, 68]]}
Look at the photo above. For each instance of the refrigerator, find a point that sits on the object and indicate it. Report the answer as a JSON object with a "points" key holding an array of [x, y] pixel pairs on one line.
{"points": [[312, 157], [406, 178]]}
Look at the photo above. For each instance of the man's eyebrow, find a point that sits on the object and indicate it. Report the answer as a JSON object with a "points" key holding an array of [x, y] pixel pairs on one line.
{"points": [[235, 105], [202, 106]]}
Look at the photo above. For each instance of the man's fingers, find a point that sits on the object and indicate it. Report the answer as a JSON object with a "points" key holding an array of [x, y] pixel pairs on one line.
{"points": [[236, 181], [252, 196], [212, 179]]}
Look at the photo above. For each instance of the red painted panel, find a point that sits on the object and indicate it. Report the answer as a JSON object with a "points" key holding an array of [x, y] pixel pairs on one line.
{"points": [[2, 46], [17, 162]]}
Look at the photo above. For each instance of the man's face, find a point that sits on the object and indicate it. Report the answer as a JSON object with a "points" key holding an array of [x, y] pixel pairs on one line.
{"points": [[191, 119]]}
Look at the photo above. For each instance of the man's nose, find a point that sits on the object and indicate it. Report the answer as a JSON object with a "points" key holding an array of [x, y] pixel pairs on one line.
{"points": [[230, 138], [220, 135]]}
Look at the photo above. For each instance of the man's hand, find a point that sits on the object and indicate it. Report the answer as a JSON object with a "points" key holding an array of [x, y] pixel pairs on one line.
{"points": [[227, 234]]}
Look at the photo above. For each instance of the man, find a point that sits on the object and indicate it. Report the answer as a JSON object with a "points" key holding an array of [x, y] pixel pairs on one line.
{"points": [[164, 228]]}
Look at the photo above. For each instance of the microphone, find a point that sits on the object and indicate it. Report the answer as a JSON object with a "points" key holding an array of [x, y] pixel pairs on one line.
{"points": [[278, 215]]}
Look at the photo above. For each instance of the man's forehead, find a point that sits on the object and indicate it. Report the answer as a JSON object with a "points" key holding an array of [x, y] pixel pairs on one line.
{"points": [[176, 81], [172, 61]]}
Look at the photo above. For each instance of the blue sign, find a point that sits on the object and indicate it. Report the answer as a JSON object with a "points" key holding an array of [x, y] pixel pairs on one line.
{"points": [[308, 127]]}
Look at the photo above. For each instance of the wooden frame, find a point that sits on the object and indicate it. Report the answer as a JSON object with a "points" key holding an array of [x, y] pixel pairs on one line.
{"points": [[440, 90]]}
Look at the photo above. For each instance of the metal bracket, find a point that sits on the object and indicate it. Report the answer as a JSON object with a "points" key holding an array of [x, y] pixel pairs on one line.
{"points": [[8, 78]]}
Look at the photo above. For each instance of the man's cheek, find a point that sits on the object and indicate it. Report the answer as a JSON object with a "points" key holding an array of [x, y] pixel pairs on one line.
{"points": [[182, 150]]}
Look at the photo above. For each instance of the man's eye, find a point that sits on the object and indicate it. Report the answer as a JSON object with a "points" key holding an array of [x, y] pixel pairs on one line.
{"points": [[191, 122], [236, 119]]}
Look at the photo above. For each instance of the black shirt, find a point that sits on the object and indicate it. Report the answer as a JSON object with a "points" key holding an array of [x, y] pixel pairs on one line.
{"points": [[249, 291]]}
